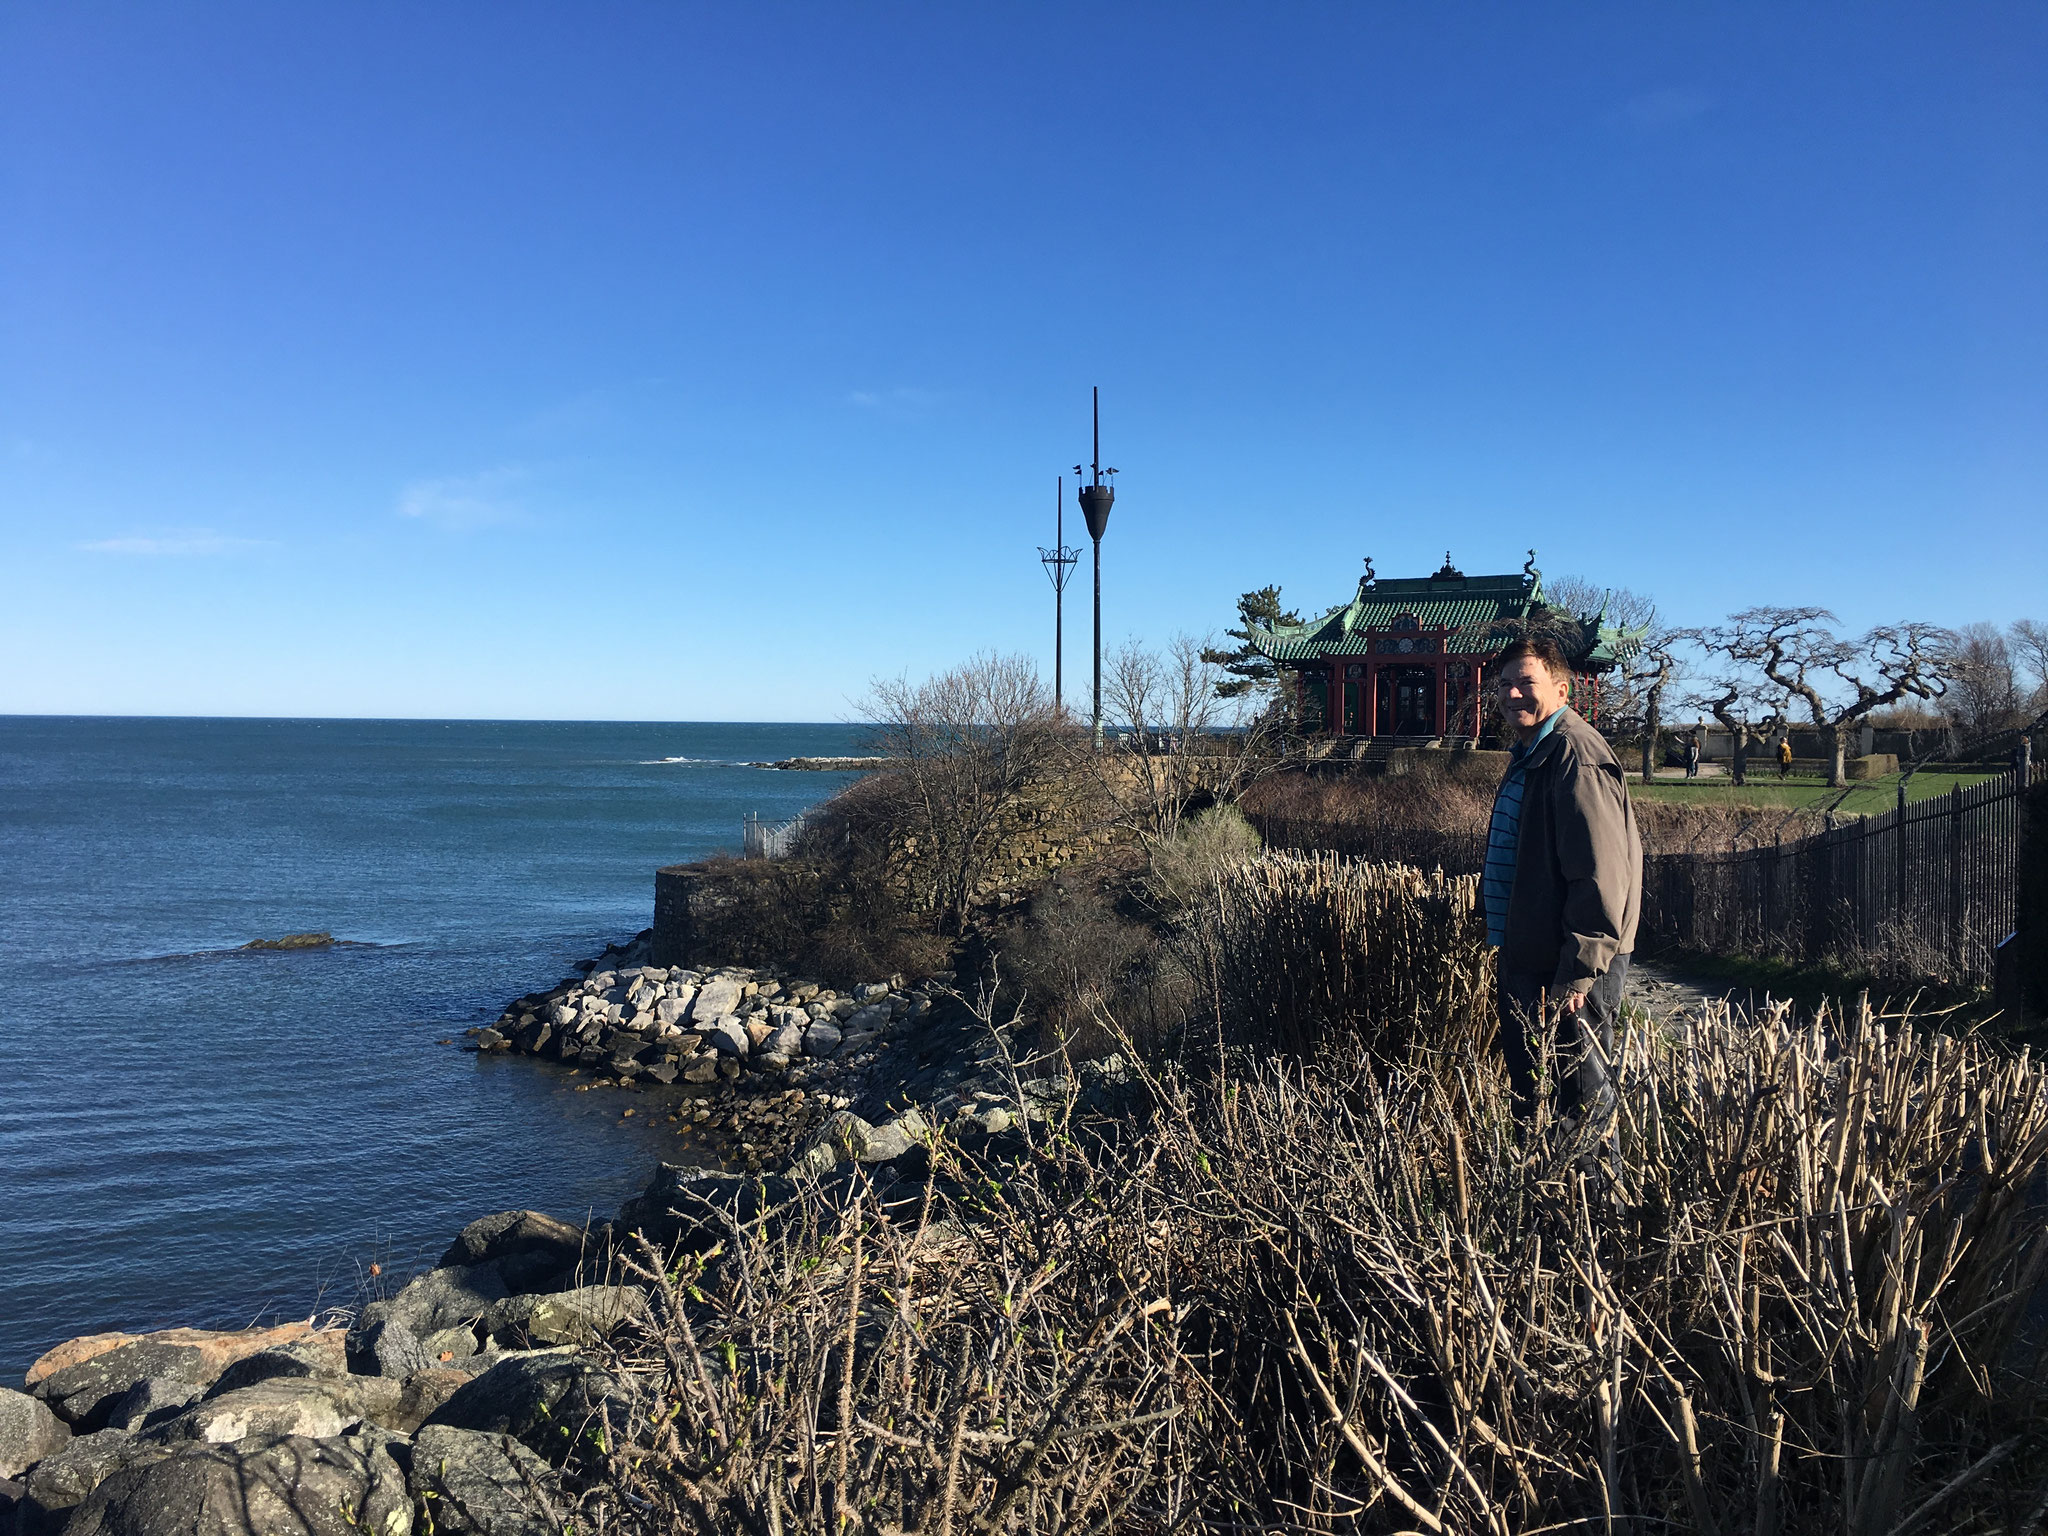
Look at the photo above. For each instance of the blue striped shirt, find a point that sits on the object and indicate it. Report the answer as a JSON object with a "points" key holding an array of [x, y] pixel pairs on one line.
{"points": [[1504, 835]]}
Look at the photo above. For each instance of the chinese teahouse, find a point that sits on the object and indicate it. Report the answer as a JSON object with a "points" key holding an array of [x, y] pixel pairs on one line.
{"points": [[1406, 656]]}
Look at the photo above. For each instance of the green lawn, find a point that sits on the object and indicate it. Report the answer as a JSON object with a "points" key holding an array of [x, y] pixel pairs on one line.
{"points": [[1866, 797]]}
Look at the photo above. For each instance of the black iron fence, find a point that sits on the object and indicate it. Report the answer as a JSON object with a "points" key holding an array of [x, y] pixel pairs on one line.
{"points": [[1925, 890], [1922, 890]]}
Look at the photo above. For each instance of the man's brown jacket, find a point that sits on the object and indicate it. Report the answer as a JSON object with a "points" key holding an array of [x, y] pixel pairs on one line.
{"points": [[1579, 863]]}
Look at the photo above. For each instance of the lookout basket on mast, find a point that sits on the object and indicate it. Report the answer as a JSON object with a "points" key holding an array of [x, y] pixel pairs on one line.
{"points": [[1097, 497]]}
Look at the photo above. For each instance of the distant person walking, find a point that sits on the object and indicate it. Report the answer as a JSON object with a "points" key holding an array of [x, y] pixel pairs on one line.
{"points": [[1563, 883], [1692, 755], [1784, 756]]}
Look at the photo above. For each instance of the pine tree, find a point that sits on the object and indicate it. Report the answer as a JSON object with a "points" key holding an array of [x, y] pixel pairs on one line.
{"points": [[1249, 671]]}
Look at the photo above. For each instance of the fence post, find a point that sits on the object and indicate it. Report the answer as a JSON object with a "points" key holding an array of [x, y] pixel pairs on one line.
{"points": [[1860, 888], [1899, 854], [1768, 937], [1955, 881]]}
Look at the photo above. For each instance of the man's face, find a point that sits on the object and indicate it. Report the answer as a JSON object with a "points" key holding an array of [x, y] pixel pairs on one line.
{"points": [[1529, 694]]}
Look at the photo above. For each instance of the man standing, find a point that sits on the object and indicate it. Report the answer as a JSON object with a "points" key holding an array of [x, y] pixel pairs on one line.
{"points": [[1784, 756], [1563, 882]]}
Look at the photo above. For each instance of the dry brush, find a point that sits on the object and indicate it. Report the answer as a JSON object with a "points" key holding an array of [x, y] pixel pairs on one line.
{"points": [[1797, 1284]]}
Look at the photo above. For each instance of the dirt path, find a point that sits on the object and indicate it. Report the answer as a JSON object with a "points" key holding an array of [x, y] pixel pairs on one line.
{"points": [[1665, 994]]}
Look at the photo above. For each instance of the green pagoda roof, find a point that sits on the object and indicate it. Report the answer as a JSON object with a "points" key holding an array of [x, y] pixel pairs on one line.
{"points": [[1481, 612]]}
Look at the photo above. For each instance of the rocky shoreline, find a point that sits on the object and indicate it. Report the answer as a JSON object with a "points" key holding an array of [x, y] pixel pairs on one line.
{"points": [[444, 1401], [428, 1399], [825, 764], [746, 1062]]}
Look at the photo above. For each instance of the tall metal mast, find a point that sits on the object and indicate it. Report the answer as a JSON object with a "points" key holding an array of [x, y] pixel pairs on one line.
{"points": [[1096, 500], [1059, 562]]}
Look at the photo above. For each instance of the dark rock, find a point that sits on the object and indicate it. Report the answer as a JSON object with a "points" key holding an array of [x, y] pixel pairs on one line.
{"points": [[487, 1484], [28, 1432], [486, 1040], [510, 1232], [535, 1036], [441, 1298], [338, 1486], [424, 1392], [449, 1346], [68, 1477], [698, 1206], [150, 1403], [537, 1270], [544, 1401], [379, 1400], [663, 1072], [385, 1347], [83, 1394], [845, 1133]]}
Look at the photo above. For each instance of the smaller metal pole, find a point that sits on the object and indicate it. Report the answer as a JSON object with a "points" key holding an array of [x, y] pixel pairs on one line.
{"points": [[1059, 595]]}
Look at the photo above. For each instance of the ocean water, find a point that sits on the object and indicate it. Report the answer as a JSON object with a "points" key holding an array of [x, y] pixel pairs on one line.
{"points": [[196, 1135]]}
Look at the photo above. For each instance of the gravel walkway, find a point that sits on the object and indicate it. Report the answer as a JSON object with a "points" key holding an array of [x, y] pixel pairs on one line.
{"points": [[1665, 994]]}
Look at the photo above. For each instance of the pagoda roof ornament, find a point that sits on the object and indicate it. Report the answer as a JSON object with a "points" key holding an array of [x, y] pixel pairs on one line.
{"points": [[1450, 572]]}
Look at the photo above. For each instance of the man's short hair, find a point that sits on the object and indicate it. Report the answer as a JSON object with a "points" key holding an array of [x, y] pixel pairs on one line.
{"points": [[1539, 648]]}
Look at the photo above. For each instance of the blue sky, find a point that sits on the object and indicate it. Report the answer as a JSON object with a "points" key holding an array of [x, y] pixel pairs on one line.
{"points": [[663, 361]]}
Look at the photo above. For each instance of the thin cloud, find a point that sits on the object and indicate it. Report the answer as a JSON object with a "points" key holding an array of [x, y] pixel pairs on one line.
{"points": [[465, 502], [198, 541], [1662, 108]]}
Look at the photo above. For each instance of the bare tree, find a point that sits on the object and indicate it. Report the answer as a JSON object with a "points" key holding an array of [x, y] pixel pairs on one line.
{"points": [[2028, 639], [1750, 710], [1168, 755], [1837, 681], [965, 749], [1579, 597], [1986, 691], [1648, 679]]}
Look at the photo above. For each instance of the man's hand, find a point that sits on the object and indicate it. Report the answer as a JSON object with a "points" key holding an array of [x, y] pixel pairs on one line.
{"points": [[1571, 1002]]}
